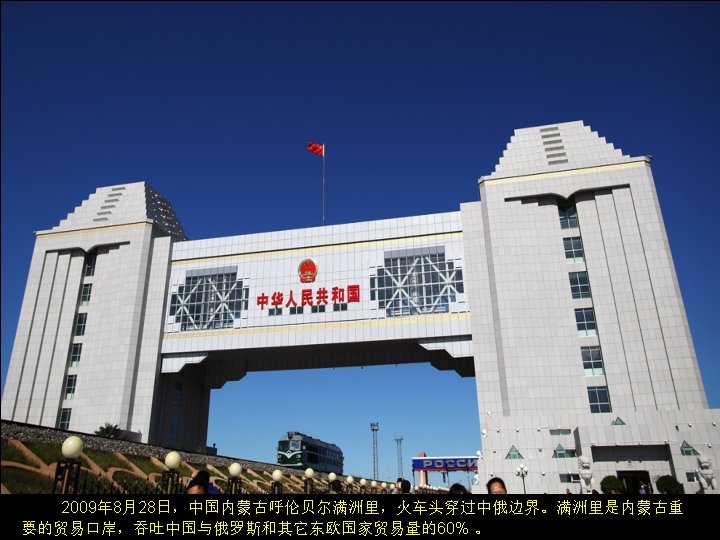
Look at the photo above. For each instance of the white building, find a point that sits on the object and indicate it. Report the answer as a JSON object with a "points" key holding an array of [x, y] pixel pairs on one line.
{"points": [[556, 290]]}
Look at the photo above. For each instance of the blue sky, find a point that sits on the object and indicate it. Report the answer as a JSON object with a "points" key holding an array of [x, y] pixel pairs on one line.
{"points": [[213, 104]]}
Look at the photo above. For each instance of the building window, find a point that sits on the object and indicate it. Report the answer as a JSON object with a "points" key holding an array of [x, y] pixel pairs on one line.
{"points": [[296, 310], [691, 477], [579, 285], [70, 384], [574, 249], [513, 453], [340, 307], [570, 478], [617, 422], [64, 421], [686, 449], [273, 312], [586, 324], [80, 323], [75, 354], [568, 216], [209, 299], [592, 361], [317, 309], [85, 294], [90, 260], [174, 427], [561, 453], [177, 394], [416, 282], [560, 431], [599, 399]]}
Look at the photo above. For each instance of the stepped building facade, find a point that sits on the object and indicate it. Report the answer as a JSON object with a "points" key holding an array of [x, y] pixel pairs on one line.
{"points": [[556, 290]]}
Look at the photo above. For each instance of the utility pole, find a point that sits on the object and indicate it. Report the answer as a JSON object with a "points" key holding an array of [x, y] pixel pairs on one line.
{"points": [[399, 441], [374, 426]]}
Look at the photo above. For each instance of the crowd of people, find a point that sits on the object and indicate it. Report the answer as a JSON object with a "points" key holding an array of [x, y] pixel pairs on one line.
{"points": [[200, 484]]}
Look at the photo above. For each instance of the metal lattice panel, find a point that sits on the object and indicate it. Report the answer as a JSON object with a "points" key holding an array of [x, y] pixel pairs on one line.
{"points": [[209, 301], [415, 284]]}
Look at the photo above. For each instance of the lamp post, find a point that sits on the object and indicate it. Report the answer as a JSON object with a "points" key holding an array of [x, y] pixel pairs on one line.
{"points": [[398, 441], [363, 483], [374, 426], [373, 485], [170, 480], [522, 471], [276, 486], [349, 481], [235, 481], [308, 481], [332, 488], [67, 473]]}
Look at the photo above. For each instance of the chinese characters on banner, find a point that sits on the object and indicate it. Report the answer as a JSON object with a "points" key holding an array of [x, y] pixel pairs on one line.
{"points": [[310, 297]]}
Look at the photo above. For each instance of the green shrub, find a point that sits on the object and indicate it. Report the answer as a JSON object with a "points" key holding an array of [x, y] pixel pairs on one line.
{"points": [[669, 484], [109, 431], [611, 484]]}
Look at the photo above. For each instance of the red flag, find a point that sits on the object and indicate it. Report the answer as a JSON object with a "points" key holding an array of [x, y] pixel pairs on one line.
{"points": [[316, 148]]}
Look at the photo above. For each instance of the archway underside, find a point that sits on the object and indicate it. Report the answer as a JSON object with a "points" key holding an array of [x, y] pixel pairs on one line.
{"points": [[220, 367]]}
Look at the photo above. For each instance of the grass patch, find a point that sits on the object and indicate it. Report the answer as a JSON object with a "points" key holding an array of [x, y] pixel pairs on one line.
{"points": [[18, 481], [185, 470], [133, 484], [10, 453], [104, 460], [47, 452], [247, 478], [144, 464], [263, 486], [201, 467], [94, 485]]}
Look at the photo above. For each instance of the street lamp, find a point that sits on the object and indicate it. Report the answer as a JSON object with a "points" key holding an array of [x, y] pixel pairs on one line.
{"points": [[522, 471], [308, 481], [373, 485], [67, 473], [170, 480], [349, 480], [374, 426], [333, 483], [235, 481], [276, 486], [363, 482]]}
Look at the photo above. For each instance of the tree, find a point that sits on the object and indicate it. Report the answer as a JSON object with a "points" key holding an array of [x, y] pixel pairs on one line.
{"points": [[109, 431], [669, 484], [611, 484]]}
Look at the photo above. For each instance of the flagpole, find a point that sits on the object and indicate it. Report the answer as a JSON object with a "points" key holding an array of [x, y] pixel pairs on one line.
{"points": [[323, 195]]}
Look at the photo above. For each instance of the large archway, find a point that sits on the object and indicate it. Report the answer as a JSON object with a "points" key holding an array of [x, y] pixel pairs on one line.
{"points": [[431, 410]]}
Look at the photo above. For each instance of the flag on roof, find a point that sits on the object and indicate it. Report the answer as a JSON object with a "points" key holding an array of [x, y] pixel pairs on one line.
{"points": [[316, 148]]}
